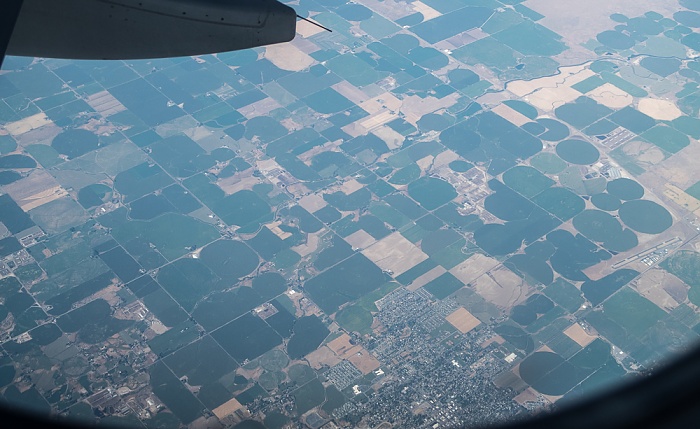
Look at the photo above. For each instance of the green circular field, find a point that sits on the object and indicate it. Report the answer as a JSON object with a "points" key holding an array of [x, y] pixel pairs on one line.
{"points": [[229, 259], [578, 152], [431, 193], [602, 227], [625, 189], [645, 216], [596, 225], [74, 143], [460, 166], [548, 163], [606, 202]]}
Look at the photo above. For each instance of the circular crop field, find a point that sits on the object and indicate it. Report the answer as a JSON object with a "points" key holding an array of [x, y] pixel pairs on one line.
{"points": [[229, 259], [555, 130], [606, 202], [74, 143], [625, 189], [431, 193], [645, 216], [460, 166], [578, 152], [602, 227], [548, 163]]}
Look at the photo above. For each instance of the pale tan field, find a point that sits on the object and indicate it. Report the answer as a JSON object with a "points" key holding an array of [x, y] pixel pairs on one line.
{"points": [[306, 29], [311, 245], [340, 345], [364, 361], [414, 107], [274, 227], [27, 124], [510, 115], [651, 286], [355, 354], [360, 239], [444, 158], [611, 96], [680, 197], [322, 356], [663, 110], [260, 108], [227, 408], [425, 163], [288, 57], [426, 278], [395, 253], [427, 11], [35, 190], [527, 395], [463, 320], [646, 154], [581, 21], [576, 333], [681, 169], [350, 186], [385, 101], [231, 185], [105, 103], [568, 76], [472, 268], [548, 99], [351, 92], [393, 139], [312, 202], [502, 288]]}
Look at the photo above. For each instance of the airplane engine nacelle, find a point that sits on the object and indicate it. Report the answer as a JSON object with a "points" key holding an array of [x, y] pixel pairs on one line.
{"points": [[136, 29]]}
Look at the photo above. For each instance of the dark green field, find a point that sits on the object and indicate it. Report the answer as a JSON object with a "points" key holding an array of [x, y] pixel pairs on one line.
{"points": [[349, 280], [246, 337]]}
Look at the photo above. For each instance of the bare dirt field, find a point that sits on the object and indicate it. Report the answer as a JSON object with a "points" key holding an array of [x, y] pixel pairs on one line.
{"points": [[444, 158], [426, 278], [463, 320], [312, 203], [309, 247], [322, 356], [651, 286], [470, 269], [510, 115], [646, 154], [385, 101], [360, 239], [681, 168], [501, 287], [288, 57], [611, 96], [395, 253], [663, 110], [227, 408], [364, 361], [576, 333], [581, 21], [393, 139], [527, 395], [237, 182], [35, 190], [355, 354], [27, 124], [260, 108], [351, 186], [425, 10], [105, 103]]}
